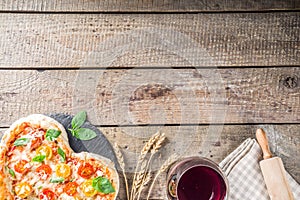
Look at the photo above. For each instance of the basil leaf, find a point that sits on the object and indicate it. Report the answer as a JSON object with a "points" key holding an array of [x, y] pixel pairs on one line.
{"points": [[85, 134], [103, 185], [72, 131], [12, 173], [57, 180], [39, 158], [52, 134], [78, 119], [21, 141], [62, 154]]}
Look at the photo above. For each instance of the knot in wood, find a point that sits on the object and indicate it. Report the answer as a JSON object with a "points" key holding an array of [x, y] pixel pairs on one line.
{"points": [[150, 92], [290, 81]]}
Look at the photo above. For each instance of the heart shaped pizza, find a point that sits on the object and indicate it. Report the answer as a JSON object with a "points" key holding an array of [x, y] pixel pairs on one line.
{"points": [[38, 163]]}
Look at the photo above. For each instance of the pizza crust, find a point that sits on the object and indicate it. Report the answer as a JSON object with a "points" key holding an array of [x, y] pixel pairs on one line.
{"points": [[45, 122], [35, 119]]}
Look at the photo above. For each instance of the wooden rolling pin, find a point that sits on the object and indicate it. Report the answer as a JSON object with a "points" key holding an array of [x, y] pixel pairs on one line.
{"points": [[273, 171]]}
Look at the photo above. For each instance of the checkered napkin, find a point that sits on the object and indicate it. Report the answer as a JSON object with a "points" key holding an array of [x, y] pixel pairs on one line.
{"points": [[244, 174]]}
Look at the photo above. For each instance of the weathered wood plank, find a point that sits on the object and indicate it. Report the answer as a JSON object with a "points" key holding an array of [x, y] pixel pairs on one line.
{"points": [[146, 6], [136, 40], [155, 96], [200, 140]]}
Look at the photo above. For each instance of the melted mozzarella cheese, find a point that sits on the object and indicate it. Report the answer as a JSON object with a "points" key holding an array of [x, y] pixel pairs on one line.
{"points": [[80, 180], [64, 196], [18, 155], [99, 173]]}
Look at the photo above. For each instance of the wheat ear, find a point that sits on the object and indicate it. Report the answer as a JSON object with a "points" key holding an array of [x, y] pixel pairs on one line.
{"points": [[138, 182], [156, 146], [121, 162], [146, 180], [147, 147], [163, 168], [160, 138]]}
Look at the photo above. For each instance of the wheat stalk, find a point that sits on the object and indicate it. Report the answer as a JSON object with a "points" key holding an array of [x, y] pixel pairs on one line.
{"points": [[156, 146], [121, 162], [159, 139], [139, 178], [142, 176], [147, 147], [163, 168], [146, 180]]}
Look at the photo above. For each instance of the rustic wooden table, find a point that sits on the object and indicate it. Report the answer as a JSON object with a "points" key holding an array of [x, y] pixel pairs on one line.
{"points": [[206, 73]]}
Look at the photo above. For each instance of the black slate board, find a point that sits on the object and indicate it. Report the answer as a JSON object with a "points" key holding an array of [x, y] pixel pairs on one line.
{"points": [[99, 145]]}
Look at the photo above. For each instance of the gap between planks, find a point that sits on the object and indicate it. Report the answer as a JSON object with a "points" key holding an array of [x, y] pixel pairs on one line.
{"points": [[146, 6]]}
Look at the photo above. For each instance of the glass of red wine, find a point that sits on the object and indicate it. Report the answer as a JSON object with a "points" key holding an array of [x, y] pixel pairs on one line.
{"points": [[196, 178]]}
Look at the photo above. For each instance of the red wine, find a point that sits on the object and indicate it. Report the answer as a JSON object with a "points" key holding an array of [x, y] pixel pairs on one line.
{"points": [[201, 183]]}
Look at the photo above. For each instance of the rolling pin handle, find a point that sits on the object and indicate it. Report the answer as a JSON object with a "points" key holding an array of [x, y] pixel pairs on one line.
{"points": [[263, 142]]}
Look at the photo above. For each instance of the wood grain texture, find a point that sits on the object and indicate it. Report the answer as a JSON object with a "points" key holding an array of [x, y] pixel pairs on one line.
{"points": [[146, 5], [215, 142], [138, 40], [155, 96], [199, 140]]}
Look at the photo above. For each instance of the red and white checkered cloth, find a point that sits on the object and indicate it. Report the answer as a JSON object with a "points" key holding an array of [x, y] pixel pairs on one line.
{"points": [[244, 175]]}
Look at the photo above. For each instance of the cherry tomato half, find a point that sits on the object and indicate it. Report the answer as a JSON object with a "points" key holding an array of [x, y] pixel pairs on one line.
{"points": [[86, 170], [44, 171], [87, 188], [23, 189], [22, 167], [45, 150], [47, 194], [35, 143], [63, 170], [71, 188]]}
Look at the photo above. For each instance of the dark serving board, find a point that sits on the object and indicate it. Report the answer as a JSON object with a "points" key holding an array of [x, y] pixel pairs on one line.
{"points": [[99, 145]]}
